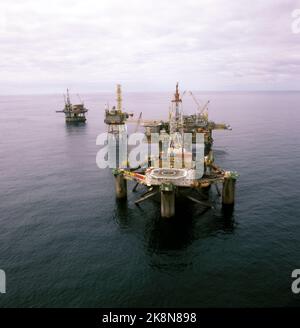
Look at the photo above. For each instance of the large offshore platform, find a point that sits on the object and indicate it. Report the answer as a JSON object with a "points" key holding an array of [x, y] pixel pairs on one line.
{"points": [[73, 113], [176, 169]]}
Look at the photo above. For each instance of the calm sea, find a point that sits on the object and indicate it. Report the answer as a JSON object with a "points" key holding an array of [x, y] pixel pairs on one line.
{"points": [[66, 242]]}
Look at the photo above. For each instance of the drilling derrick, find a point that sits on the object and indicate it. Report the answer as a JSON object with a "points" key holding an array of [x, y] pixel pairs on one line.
{"points": [[177, 100], [119, 98], [116, 119]]}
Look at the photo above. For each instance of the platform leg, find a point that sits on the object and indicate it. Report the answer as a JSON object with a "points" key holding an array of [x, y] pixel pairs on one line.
{"points": [[121, 186], [228, 192], [167, 201]]}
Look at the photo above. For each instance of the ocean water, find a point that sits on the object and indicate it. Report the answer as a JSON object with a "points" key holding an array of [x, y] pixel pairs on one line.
{"points": [[66, 242]]}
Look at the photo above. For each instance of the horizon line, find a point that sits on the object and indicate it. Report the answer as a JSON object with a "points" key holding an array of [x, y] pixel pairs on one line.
{"points": [[146, 91]]}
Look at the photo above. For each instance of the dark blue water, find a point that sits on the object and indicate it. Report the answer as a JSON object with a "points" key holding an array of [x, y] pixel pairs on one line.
{"points": [[66, 242]]}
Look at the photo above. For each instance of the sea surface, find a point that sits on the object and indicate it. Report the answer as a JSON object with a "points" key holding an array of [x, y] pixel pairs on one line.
{"points": [[66, 242]]}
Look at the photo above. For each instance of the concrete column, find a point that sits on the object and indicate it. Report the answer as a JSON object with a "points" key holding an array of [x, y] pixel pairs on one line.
{"points": [[167, 208], [121, 186], [228, 192]]}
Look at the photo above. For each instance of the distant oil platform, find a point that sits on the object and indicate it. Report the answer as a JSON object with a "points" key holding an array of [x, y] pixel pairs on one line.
{"points": [[73, 113], [174, 170]]}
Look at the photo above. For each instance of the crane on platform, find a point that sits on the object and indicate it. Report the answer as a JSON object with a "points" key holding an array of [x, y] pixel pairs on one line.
{"points": [[200, 109]]}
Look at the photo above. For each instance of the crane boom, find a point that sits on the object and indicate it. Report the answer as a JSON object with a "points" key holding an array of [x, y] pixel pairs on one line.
{"points": [[199, 108]]}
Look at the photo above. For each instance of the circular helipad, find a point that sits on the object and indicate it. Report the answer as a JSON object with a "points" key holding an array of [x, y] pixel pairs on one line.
{"points": [[168, 173]]}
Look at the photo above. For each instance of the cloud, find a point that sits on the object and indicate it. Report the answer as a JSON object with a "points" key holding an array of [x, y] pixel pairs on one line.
{"points": [[147, 45]]}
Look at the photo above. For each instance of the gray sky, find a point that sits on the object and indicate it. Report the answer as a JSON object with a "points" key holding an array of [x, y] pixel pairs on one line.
{"points": [[91, 45]]}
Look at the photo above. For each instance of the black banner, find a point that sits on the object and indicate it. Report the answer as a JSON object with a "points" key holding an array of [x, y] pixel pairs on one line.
{"points": [[146, 317]]}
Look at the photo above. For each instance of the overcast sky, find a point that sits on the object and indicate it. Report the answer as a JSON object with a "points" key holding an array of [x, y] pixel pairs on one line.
{"points": [[90, 45]]}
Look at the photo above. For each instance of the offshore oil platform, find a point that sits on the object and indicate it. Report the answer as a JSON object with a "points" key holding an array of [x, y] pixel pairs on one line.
{"points": [[73, 113], [184, 161]]}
